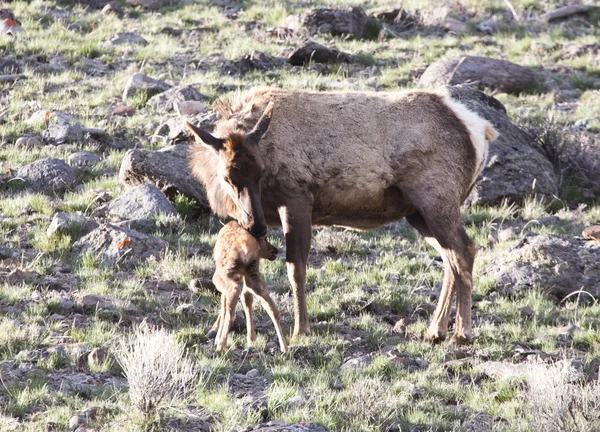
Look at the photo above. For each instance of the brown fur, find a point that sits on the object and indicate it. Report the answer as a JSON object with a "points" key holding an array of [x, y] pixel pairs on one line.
{"points": [[358, 160], [237, 255]]}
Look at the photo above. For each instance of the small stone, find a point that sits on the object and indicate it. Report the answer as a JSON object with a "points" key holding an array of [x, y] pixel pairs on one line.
{"points": [[127, 38], [83, 160], [568, 330], [167, 99], [97, 356], [123, 111], [140, 82], [253, 373], [198, 285], [295, 402], [141, 202], [591, 233], [400, 327], [312, 52], [338, 384], [47, 175], [112, 8], [489, 26], [76, 421], [29, 142], [455, 26], [39, 117], [69, 223], [60, 133], [188, 108], [17, 277], [92, 302], [526, 312]]}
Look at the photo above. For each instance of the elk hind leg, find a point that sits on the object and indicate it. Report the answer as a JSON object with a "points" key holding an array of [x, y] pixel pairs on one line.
{"points": [[247, 301]]}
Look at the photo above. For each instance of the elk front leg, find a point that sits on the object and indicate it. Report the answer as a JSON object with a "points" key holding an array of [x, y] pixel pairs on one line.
{"points": [[296, 223]]}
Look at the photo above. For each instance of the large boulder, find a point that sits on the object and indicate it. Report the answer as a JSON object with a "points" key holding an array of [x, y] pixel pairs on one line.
{"points": [[560, 265], [119, 245], [47, 175], [515, 169], [486, 72], [141, 202], [167, 168], [343, 21]]}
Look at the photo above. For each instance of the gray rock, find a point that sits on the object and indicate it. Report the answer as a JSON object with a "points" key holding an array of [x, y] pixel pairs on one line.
{"points": [[281, 426], [93, 302], [312, 52], [117, 245], [139, 82], [567, 12], [295, 402], [47, 175], [167, 168], [127, 38], [60, 133], [174, 131], [455, 26], [343, 21], [256, 60], [76, 421], [83, 160], [141, 202], [189, 108], [97, 356], [166, 100], [485, 72], [29, 142], [560, 265], [513, 166], [489, 26], [71, 223]]}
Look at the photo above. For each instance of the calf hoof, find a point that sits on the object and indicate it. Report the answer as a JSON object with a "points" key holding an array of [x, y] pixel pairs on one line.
{"points": [[212, 333], [458, 340], [435, 336]]}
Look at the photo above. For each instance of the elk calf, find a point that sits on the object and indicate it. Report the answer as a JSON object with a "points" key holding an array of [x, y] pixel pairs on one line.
{"points": [[237, 255]]}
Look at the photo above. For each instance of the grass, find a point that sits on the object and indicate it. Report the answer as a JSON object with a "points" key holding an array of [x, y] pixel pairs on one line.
{"points": [[360, 284]]}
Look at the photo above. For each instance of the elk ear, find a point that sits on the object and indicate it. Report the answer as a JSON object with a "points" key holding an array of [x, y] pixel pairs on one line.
{"points": [[253, 138], [206, 138]]}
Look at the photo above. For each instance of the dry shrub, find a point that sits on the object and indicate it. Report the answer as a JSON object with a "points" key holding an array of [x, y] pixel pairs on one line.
{"points": [[558, 404], [157, 368], [576, 159]]}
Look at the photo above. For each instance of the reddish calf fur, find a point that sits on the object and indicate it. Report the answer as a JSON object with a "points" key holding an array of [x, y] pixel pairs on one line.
{"points": [[237, 255]]}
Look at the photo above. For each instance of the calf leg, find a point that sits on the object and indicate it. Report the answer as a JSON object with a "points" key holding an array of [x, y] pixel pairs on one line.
{"points": [[255, 284], [444, 231], [296, 223], [248, 299], [231, 291]]}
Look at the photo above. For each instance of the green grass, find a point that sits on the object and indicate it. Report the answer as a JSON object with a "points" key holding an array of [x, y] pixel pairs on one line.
{"points": [[359, 284]]}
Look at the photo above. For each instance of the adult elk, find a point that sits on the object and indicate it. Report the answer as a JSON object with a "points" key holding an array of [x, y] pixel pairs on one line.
{"points": [[358, 160]]}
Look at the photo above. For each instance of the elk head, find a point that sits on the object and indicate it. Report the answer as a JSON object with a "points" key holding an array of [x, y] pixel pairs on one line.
{"points": [[239, 170]]}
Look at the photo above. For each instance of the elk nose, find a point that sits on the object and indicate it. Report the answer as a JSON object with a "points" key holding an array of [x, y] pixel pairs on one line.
{"points": [[258, 230]]}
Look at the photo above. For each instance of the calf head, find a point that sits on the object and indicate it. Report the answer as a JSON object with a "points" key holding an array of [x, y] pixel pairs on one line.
{"points": [[267, 250], [239, 170]]}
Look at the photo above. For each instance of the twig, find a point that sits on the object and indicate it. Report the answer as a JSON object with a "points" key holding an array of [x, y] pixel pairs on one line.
{"points": [[512, 10]]}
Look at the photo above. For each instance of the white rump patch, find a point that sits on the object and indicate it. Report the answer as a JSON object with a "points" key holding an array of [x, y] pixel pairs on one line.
{"points": [[480, 130]]}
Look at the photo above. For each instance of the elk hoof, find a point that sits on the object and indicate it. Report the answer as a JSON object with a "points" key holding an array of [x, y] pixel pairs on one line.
{"points": [[435, 336]]}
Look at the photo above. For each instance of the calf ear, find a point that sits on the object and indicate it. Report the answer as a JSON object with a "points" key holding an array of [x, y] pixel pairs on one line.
{"points": [[206, 138], [253, 138]]}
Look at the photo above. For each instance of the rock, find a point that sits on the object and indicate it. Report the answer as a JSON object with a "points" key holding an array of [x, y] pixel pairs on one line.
{"points": [[174, 131], [526, 312], [568, 330], [167, 168], [9, 66], [127, 38], [256, 60], [591, 233], [560, 265], [502, 370], [71, 223], [281, 426], [566, 12], [489, 26], [39, 117], [76, 421], [93, 302], [60, 133], [97, 356], [123, 111], [499, 75], [83, 160], [295, 402], [199, 285], [167, 99], [312, 52], [455, 26], [506, 234], [513, 166], [148, 4], [357, 362], [29, 142], [117, 245], [47, 175], [112, 8], [143, 83], [189, 108], [400, 327], [141, 202], [575, 50], [352, 21]]}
